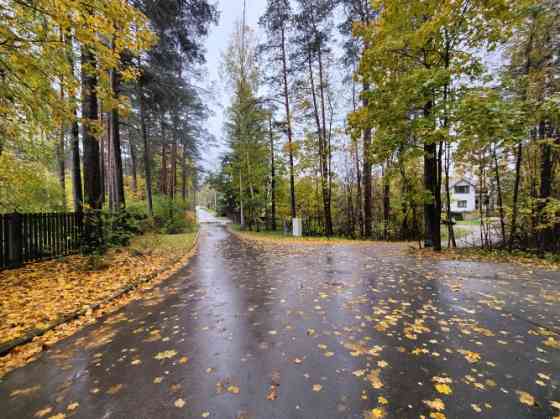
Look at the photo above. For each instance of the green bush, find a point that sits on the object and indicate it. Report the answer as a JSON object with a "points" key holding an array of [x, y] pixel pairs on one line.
{"points": [[170, 216], [121, 226]]}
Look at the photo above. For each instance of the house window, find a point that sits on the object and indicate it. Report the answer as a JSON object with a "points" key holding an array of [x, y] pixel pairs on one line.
{"points": [[462, 189], [461, 204]]}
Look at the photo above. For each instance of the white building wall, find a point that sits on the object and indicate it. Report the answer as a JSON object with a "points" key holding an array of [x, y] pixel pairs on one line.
{"points": [[470, 198]]}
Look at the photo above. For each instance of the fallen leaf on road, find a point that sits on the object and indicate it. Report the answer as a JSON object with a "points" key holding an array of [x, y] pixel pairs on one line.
{"points": [[73, 406], [233, 389], [317, 387], [436, 404], [165, 354], [476, 408], [272, 394], [526, 398], [179, 403], [24, 391], [43, 412], [443, 389], [114, 389], [374, 379]]}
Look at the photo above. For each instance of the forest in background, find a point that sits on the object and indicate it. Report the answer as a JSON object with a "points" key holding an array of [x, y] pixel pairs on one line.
{"points": [[355, 115], [358, 116], [103, 109]]}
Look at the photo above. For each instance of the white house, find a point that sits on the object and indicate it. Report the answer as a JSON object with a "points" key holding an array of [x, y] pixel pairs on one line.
{"points": [[463, 196]]}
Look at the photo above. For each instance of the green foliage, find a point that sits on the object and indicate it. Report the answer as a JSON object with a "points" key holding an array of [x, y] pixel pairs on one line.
{"points": [[28, 186], [120, 227]]}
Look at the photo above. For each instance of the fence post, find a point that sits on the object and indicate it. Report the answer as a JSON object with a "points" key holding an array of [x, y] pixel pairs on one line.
{"points": [[15, 251]]}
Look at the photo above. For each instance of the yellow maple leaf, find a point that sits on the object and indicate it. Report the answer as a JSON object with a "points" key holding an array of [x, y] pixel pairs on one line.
{"points": [[233, 389], [443, 389], [317, 387], [165, 354], [436, 404], [73, 406], [43, 412], [525, 398]]}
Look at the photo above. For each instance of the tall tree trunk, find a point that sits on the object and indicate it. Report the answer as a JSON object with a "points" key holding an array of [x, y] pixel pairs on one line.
{"points": [[163, 169], [432, 214], [366, 178], [105, 122], [386, 203], [116, 161], [60, 155], [60, 149], [173, 175], [325, 172], [146, 152], [134, 164], [93, 191], [356, 158], [451, 242], [545, 234], [272, 178], [77, 189], [500, 198], [184, 174], [293, 206], [518, 161]]}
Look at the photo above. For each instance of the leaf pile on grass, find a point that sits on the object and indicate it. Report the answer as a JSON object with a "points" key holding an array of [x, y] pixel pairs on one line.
{"points": [[38, 294]]}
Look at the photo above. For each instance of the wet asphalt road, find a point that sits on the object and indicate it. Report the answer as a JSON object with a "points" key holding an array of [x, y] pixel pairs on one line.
{"points": [[249, 330]]}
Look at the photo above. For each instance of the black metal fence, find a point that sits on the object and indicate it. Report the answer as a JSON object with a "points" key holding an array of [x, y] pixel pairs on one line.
{"points": [[31, 237]]}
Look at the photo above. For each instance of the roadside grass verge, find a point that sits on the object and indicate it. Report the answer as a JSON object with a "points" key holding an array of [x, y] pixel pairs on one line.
{"points": [[39, 296], [278, 237]]}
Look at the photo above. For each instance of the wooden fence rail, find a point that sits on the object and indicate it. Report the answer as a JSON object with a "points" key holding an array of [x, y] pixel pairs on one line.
{"points": [[31, 237]]}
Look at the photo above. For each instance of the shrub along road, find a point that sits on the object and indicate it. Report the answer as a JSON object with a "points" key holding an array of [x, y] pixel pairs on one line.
{"points": [[286, 330]]}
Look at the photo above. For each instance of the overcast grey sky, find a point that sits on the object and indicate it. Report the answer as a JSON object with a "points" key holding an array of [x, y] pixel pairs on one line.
{"points": [[216, 44]]}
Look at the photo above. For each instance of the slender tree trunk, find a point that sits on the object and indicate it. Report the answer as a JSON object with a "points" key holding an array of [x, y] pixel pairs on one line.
{"points": [[272, 178], [93, 191], [134, 164], [173, 175], [184, 174], [116, 161], [103, 141], [60, 154], [356, 157], [518, 161], [451, 242], [500, 198], [77, 190], [432, 214], [325, 172], [545, 239], [386, 203], [146, 152], [293, 205], [368, 213]]}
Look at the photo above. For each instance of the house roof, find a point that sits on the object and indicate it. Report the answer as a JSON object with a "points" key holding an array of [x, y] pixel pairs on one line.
{"points": [[462, 180]]}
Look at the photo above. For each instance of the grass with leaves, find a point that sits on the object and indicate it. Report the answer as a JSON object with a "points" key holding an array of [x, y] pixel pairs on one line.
{"points": [[36, 295]]}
